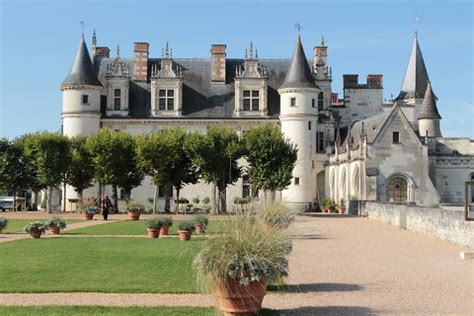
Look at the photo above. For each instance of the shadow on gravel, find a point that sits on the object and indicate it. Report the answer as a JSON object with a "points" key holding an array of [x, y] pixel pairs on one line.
{"points": [[325, 215], [309, 236], [317, 287], [322, 310]]}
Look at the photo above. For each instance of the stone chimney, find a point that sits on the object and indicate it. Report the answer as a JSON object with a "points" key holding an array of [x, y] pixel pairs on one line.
{"points": [[99, 54], [350, 81], [140, 50], [218, 55], [375, 81]]}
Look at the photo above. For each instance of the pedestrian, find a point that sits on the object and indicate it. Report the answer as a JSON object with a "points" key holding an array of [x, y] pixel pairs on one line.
{"points": [[106, 207]]}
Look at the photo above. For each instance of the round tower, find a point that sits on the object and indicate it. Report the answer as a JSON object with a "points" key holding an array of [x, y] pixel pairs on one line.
{"points": [[298, 117], [81, 96], [429, 117]]}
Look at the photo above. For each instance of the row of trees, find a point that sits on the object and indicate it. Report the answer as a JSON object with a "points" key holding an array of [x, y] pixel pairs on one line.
{"points": [[171, 157]]}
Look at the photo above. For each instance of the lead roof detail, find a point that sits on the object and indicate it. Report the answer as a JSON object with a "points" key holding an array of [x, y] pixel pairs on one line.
{"points": [[299, 74], [428, 109]]}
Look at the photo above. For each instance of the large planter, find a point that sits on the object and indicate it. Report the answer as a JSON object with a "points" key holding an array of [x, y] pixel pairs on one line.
{"points": [[341, 210], [185, 234], [35, 233], [164, 231], [87, 216], [200, 229], [54, 229], [237, 299], [153, 232], [133, 216]]}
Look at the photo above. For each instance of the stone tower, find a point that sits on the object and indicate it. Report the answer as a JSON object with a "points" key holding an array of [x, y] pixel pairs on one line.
{"points": [[429, 117], [81, 96], [298, 117]]}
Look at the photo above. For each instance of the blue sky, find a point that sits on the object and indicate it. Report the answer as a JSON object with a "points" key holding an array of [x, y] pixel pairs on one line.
{"points": [[39, 39]]}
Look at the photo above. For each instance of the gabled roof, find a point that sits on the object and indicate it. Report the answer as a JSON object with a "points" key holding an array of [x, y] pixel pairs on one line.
{"points": [[82, 70], [428, 109], [299, 74], [416, 76]]}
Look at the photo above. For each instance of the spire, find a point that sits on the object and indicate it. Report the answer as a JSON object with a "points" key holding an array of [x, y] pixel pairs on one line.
{"points": [[416, 76], [298, 74], [82, 71], [428, 109], [94, 39]]}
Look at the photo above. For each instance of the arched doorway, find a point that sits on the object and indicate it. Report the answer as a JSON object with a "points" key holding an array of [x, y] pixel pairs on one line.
{"points": [[397, 190]]}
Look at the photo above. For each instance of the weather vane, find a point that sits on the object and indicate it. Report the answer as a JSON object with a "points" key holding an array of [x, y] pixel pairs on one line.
{"points": [[298, 27], [417, 18], [83, 25]]}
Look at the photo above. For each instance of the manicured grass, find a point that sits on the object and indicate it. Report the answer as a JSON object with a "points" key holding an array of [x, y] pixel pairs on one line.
{"points": [[16, 225], [104, 311], [135, 228], [98, 265]]}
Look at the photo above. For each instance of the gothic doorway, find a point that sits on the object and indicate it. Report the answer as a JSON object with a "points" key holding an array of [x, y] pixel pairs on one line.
{"points": [[397, 190]]}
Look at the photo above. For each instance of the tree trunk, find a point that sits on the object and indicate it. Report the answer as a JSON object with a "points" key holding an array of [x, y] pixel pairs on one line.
{"points": [[99, 191], [214, 201], [273, 195], [35, 201], [155, 200], [177, 201], [14, 200], [222, 200], [49, 200], [64, 196], [115, 197], [167, 198], [79, 198]]}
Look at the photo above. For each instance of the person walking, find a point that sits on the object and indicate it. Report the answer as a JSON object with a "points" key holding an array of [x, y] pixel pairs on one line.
{"points": [[106, 207]]}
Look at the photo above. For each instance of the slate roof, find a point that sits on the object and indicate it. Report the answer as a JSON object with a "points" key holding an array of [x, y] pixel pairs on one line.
{"points": [[82, 71], [428, 108], [372, 127], [299, 74]]}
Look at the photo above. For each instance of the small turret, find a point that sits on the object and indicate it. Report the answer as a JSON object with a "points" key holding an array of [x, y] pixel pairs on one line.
{"points": [[429, 117]]}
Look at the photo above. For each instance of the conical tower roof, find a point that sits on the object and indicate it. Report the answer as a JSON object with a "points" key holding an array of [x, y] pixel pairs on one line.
{"points": [[82, 71], [416, 76], [428, 109], [299, 74]]}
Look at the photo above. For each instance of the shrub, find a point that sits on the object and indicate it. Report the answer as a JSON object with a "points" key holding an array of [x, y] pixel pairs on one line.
{"points": [[244, 200], [3, 222], [154, 223], [88, 207], [134, 206], [182, 201], [206, 200], [196, 200], [150, 200], [332, 205], [187, 226], [244, 252], [201, 220], [36, 226], [166, 221], [342, 203], [325, 203], [276, 215], [56, 221]]}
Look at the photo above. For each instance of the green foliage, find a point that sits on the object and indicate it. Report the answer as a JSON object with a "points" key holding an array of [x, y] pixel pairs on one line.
{"points": [[277, 215], [187, 226], [15, 171], [80, 173], [201, 220], [206, 200], [243, 252], [196, 200], [166, 221], [244, 200], [332, 205], [325, 203], [3, 222], [89, 207], [56, 221], [342, 203], [271, 157], [154, 223], [135, 206], [35, 227]]}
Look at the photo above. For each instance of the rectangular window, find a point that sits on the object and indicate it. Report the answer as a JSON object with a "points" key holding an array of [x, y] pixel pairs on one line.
{"points": [[162, 104], [117, 92], [251, 100], [117, 104], [396, 138], [85, 99], [166, 100], [246, 106], [320, 142], [297, 181], [293, 102], [255, 104], [320, 101], [309, 125], [313, 103], [162, 93], [170, 104], [170, 93]]}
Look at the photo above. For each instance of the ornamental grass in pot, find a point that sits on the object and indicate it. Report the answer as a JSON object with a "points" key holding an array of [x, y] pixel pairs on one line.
{"points": [[153, 227], [3, 223], [35, 229], [166, 223], [201, 223], [238, 264], [134, 210], [55, 225], [342, 207], [185, 230], [88, 210], [276, 215]]}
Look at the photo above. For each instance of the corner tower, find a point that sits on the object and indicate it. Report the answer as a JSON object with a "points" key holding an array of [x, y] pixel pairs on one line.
{"points": [[81, 96], [298, 117], [429, 117]]}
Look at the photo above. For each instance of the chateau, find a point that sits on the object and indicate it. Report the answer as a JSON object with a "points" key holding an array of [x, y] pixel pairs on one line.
{"points": [[354, 147]]}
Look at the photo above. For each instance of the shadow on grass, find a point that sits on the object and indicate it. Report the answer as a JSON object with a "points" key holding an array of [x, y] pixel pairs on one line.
{"points": [[316, 287], [321, 310]]}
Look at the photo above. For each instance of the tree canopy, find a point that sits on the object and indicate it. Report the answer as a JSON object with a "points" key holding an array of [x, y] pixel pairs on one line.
{"points": [[80, 174]]}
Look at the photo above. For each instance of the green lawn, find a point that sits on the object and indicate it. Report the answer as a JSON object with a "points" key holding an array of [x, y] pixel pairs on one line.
{"points": [[134, 228], [104, 311], [16, 225], [98, 265]]}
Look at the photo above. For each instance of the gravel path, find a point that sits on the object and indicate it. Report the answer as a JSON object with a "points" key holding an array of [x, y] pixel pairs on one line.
{"points": [[339, 266]]}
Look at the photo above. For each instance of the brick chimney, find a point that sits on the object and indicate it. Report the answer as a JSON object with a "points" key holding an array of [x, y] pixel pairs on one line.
{"points": [[351, 81], [218, 55], [375, 81], [99, 53], [140, 50]]}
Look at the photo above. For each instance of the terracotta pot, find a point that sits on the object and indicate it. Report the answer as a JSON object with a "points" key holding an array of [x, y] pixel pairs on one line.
{"points": [[54, 229], [36, 233], [325, 210], [200, 229], [185, 235], [164, 231], [88, 216], [237, 299], [153, 232], [133, 216], [341, 210]]}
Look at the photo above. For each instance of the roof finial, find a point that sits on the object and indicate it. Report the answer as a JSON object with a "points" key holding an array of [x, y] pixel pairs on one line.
{"points": [[251, 50], [83, 25], [118, 50], [322, 40], [167, 50], [256, 53], [246, 55], [298, 27], [94, 39], [417, 18]]}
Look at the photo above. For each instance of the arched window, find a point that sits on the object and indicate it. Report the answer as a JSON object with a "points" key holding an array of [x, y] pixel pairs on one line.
{"points": [[320, 101], [397, 190]]}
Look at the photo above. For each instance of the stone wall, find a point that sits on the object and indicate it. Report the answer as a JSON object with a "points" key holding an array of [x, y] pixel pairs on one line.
{"points": [[447, 224]]}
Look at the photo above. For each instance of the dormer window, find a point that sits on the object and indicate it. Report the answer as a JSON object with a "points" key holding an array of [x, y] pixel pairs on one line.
{"points": [[118, 83], [85, 99], [320, 101], [166, 101], [251, 100], [117, 99]]}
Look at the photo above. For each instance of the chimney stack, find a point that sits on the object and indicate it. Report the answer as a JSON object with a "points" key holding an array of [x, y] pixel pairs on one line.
{"points": [[218, 55], [351, 81], [140, 50], [375, 81]]}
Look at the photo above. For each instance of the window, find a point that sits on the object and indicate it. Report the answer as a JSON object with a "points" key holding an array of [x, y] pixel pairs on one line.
{"points": [[85, 99], [309, 125], [251, 100], [397, 190], [117, 95], [312, 103], [293, 102], [161, 191], [312, 164], [320, 101], [245, 186], [166, 100], [297, 181], [396, 137], [320, 142]]}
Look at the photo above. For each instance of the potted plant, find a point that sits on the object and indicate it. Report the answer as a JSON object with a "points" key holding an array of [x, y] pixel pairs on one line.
{"points": [[332, 207], [3, 223], [153, 227], [201, 223], [325, 205], [276, 215], [342, 206], [88, 209], [206, 207], [166, 223], [134, 210], [238, 264], [35, 229], [55, 225], [185, 230]]}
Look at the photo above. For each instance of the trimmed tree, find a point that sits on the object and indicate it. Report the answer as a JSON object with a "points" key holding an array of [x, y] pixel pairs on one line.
{"points": [[80, 174], [271, 158], [215, 154]]}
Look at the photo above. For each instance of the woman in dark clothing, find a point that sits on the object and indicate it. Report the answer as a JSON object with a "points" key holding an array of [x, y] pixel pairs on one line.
{"points": [[106, 207]]}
